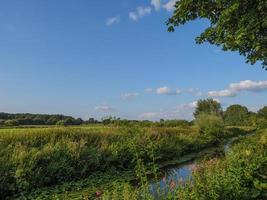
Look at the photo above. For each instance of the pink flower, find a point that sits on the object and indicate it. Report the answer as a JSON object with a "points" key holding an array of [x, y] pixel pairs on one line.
{"points": [[98, 194], [172, 184]]}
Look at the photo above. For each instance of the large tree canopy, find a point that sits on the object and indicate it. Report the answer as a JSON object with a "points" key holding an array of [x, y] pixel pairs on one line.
{"points": [[236, 25], [209, 107], [236, 115]]}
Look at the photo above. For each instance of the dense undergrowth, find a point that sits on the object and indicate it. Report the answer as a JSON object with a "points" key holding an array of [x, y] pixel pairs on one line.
{"points": [[240, 175], [34, 158]]}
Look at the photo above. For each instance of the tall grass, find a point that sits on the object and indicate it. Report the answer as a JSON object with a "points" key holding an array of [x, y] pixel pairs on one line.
{"points": [[39, 157], [240, 175]]}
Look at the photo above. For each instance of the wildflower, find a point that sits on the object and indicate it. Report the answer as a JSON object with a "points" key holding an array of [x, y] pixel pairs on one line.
{"points": [[98, 194], [172, 184], [164, 179]]}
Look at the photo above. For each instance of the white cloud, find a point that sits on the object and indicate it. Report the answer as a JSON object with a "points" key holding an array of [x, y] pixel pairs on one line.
{"points": [[249, 85], [193, 104], [167, 91], [182, 111], [104, 109], [129, 95], [156, 4], [235, 88], [222, 93], [170, 5], [163, 90], [113, 20], [139, 13], [196, 92], [149, 115], [149, 90]]}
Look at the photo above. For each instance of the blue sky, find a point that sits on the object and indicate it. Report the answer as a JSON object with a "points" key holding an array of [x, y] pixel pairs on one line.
{"points": [[97, 58]]}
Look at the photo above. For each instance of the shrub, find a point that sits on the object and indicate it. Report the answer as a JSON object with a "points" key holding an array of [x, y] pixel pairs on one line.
{"points": [[211, 126], [11, 122]]}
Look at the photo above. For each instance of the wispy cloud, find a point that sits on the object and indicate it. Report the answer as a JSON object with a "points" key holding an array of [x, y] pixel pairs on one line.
{"points": [[139, 13], [167, 91], [169, 6], [148, 90], [235, 88], [149, 115], [113, 20], [156, 4], [196, 92], [129, 95], [182, 111], [104, 108]]}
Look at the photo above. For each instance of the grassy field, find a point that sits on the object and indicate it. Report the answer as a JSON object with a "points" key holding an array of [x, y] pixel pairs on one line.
{"points": [[33, 158]]}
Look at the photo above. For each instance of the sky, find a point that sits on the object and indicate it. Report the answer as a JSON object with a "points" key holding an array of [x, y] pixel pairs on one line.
{"points": [[91, 58]]}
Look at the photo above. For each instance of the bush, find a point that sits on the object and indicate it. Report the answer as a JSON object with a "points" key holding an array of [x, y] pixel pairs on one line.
{"points": [[211, 126], [11, 122], [262, 123]]}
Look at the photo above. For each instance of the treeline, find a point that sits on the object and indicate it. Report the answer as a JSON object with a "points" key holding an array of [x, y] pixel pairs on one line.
{"points": [[234, 115], [8, 119]]}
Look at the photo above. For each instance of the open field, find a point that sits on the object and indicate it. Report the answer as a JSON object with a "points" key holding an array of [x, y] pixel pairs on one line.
{"points": [[32, 158]]}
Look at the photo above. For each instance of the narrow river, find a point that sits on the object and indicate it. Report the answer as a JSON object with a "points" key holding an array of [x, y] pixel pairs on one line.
{"points": [[177, 174]]}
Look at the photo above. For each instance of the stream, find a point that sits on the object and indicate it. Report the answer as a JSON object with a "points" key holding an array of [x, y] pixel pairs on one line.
{"points": [[177, 174]]}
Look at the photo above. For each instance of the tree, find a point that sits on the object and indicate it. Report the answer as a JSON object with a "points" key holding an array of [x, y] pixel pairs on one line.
{"points": [[11, 122], [210, 125], [208, 106], [235, 25], [262, 113], [236, 115]]}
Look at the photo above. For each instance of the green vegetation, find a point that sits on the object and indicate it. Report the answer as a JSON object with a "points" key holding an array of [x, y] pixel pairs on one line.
{"points": [[8, 119], [236, 115], [234, 25], [115, 159], [240, 175], [208, 106], [34, 158]]}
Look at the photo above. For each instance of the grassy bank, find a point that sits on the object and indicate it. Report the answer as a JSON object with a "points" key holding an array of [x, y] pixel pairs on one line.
{"points": [[41, 157], [240, 175]]}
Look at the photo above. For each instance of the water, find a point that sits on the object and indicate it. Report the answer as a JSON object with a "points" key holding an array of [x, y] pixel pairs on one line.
{"points": [[177, 175], [171, 177]]}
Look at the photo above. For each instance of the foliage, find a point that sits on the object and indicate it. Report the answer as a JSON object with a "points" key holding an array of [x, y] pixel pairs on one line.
{"points": [[11, 122], [37, 119], [234, 25], [262, 123], [240, 175], [262, 113], [212, 126], [236, 115], [208, 106], [38, 157]]}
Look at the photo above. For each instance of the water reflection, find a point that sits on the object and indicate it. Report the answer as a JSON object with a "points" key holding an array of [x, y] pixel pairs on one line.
{"points": [[171, 178]]}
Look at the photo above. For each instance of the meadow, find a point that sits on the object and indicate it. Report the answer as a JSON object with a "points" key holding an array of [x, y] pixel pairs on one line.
{"points": [[120, 159], [34, 158]]}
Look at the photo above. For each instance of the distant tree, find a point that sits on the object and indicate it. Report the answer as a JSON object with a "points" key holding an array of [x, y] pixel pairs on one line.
{"points": [[236, 115], [208, 106], [235, 25], [210, 125], [78, 121], [91, 121], [11, 122], [262, 113], [107, 120], [2, 122]]}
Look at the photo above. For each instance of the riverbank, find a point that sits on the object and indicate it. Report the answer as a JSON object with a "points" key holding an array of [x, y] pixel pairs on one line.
{"points": [[105, 181]]}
